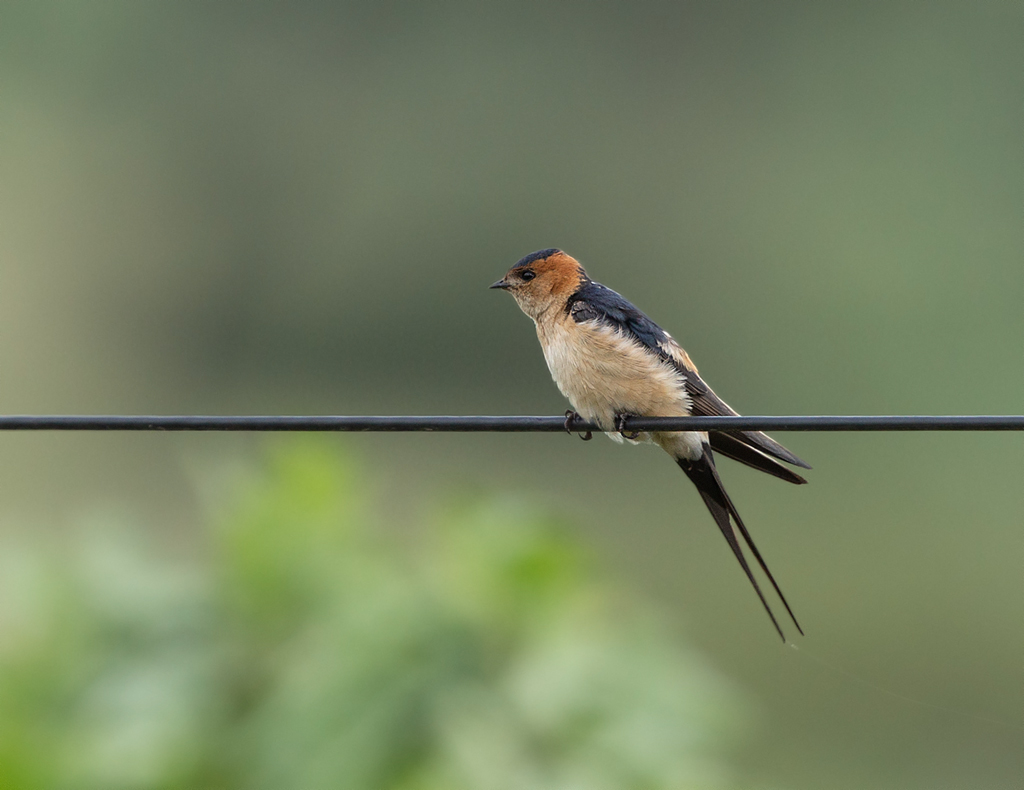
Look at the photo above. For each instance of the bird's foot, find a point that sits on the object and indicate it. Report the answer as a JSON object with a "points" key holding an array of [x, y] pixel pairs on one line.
{"points": [[570, 418], [620, 426]]}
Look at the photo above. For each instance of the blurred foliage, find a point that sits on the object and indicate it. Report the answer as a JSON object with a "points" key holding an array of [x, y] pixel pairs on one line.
{"points": [[312, 647]]}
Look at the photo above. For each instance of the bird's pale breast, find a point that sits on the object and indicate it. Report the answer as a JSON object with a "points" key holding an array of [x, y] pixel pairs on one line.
{"points": [[604, 373]]}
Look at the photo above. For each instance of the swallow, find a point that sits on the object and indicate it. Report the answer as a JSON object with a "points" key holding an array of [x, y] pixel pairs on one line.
{"points": [[612, 362]]}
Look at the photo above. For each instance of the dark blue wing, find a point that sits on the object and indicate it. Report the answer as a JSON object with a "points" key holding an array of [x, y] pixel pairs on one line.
{"points": [[594, 302]]}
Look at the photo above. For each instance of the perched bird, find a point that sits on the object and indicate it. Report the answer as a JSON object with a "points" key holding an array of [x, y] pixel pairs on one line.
{"points": [[612, 362]]}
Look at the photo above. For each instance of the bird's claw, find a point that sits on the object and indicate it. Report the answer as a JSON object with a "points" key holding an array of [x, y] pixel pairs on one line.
{"points": [[620, 426], [570, 418]]}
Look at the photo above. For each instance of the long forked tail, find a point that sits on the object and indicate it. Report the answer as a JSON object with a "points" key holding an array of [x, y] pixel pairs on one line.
{"points": [[704, 475]]}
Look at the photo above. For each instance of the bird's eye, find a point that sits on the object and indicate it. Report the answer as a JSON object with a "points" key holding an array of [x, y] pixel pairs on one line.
{"points": [[527, 275]]}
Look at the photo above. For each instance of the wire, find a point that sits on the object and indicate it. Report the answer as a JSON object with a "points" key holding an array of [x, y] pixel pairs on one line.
{"points": [[63, 422]]}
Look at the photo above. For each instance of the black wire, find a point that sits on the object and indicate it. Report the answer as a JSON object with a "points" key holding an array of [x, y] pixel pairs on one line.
{"points": [[62, 422]]}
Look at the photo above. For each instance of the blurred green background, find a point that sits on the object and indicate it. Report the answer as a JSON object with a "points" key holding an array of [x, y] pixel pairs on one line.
{"points": [[296, 208]]}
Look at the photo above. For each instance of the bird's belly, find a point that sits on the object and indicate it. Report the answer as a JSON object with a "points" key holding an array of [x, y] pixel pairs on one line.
{"points": [[604, 374]]}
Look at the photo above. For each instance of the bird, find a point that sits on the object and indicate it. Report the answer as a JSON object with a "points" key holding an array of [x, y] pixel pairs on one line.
{"points": [[612, 362]]}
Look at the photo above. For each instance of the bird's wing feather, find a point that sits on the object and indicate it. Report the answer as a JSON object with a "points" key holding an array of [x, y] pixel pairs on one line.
{"points": [[595, 302], [732, 447], [705, 403]]}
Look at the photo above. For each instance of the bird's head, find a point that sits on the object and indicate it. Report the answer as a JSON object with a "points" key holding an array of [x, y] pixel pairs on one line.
{"points": [[543, 280]]}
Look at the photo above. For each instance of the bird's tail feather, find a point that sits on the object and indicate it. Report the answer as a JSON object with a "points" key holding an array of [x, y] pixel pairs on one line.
{"points": [[704, 476]]}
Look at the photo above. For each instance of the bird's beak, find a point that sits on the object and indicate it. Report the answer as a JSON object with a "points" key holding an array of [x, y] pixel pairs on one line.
{"points": [[503, 284]]}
